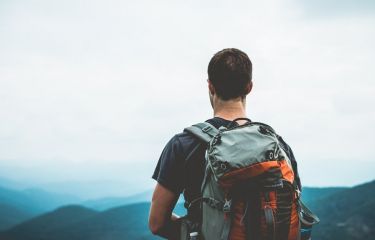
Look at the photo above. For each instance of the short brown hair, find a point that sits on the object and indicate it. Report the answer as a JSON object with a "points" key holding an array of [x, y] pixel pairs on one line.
{"points": [[230, 72]]}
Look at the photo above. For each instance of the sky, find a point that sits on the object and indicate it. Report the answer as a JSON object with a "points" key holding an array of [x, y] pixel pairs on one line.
{"points": [[91, 91]]}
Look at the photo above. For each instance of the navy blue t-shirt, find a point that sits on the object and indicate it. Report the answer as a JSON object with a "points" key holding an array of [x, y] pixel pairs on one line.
{"points": [[181, 165]]}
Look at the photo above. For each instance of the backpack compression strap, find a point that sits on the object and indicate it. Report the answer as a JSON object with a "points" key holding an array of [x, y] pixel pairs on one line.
{"points": [[204, 131]]}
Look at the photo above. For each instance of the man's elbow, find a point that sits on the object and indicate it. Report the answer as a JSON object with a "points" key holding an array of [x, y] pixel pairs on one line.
{"points": [[154, 227]]}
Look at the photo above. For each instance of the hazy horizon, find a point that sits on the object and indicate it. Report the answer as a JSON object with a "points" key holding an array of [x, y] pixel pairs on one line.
{"points": [[91, 93]]}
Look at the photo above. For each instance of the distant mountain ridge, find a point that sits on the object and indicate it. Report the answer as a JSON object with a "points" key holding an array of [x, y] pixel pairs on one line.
{"points": [[311, 194], [11, 216], [345, 213], [111, 202], [127, 222], [43, 226], [35, 200], [17, 206]]}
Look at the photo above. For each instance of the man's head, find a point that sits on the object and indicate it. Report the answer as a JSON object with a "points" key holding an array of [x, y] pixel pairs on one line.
{"points": [[229, 75]]}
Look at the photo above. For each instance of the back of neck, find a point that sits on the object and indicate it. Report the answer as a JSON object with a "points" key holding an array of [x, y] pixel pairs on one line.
{"points": [[230, 110]]}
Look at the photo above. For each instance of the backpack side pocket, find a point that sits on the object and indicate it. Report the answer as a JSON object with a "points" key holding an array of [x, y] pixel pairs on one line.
{"points": [[307, 220], [187, 227]]}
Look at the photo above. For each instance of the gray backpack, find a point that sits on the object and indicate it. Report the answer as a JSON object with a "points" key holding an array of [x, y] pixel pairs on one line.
{"points": [[249, 190]]}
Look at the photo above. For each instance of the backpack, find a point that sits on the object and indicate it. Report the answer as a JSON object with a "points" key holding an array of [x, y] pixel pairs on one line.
{"points": [[249, 190]]}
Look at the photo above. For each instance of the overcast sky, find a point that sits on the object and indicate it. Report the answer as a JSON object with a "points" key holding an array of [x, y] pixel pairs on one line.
{"points": [[90, 91]]}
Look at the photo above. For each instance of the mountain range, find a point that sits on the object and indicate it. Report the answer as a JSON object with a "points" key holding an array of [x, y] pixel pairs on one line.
{"points": [[345, 213], [19, 205]]}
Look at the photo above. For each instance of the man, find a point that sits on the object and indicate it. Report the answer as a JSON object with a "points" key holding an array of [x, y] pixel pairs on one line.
{"points": [[182, 164]]}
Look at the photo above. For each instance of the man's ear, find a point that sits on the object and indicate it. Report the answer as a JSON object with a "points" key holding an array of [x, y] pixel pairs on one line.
{"points": [[249, 87], [211, 87]]}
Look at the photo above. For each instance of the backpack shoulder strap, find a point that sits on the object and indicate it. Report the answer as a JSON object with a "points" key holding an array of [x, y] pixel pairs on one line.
{"points": [[204, 131]]}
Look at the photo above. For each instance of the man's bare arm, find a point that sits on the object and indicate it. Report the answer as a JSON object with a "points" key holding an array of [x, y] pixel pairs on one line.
{"points": [[162, 221]]}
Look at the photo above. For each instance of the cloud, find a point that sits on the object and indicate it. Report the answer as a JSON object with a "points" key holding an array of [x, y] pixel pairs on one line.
{"points": [[107, 84], [336, 8]]}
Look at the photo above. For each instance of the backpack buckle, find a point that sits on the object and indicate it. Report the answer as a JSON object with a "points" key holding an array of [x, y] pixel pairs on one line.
{"points": [[298, 194], [216, 139], [206, 129], [227, 205]]}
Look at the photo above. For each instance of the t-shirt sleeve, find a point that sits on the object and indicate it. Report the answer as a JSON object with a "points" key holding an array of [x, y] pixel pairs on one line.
{"points": [[169, 169]]}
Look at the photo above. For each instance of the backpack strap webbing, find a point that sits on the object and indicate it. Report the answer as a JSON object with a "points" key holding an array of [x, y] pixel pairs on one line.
{"points": [[204, 131], [305, 214]]}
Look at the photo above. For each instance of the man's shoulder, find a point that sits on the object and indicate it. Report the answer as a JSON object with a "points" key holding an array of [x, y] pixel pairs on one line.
{"points": [[185, 139], [188, 137]]}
